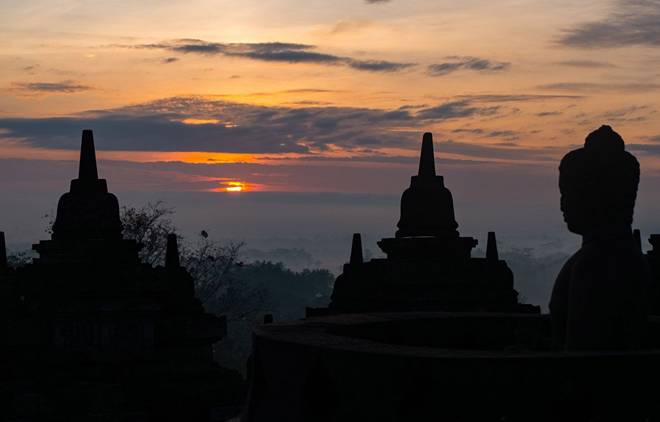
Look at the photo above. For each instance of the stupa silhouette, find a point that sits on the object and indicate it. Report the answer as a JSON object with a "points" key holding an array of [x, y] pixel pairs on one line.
{"points": [[94, 333], [382, 352], [429, 265]]}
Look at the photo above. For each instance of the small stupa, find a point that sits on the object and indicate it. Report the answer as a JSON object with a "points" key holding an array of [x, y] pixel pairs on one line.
{"points": [[87, 227], [88, 210], [427, 206]]}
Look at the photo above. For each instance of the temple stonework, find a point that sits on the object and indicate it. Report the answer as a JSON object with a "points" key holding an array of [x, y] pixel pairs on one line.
{"points": [[653, 259], [429, 265], [127, 341], [432, 334]]}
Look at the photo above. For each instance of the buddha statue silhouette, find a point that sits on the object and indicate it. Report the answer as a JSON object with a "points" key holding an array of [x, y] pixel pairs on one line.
{"points": [[599, 298]]}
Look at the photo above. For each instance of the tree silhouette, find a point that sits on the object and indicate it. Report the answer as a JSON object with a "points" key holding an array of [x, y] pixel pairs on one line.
{"points": [[211, 264], [149, 226]]}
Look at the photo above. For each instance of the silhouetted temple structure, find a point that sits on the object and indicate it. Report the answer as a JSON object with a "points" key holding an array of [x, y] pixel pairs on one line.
{"points": [[363, 359], [653, 259], [91, 333], [429, 265]]}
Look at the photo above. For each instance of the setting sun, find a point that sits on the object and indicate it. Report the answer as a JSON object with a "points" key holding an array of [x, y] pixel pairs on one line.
{"points": [[234, 186]]}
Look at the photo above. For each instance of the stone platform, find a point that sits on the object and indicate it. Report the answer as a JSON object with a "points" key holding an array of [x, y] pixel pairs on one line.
{"points": [[442, 366]]}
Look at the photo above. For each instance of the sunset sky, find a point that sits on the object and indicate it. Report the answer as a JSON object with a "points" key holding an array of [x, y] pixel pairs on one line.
{"points": [[321, 96]]}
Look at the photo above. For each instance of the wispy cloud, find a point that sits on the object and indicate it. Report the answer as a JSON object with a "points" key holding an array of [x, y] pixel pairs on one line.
{"points": [[476, 64], [633, 22], [588, 64], [628, 114], [588, 87], [377, 65], [30, 70], [456, 109], [507, 152], [634, 113], [516, 98], [344, 26], [650, 149], [63, 87], [274, 52], [507, 134], [223, 126], [548, 113], [269, 93]]}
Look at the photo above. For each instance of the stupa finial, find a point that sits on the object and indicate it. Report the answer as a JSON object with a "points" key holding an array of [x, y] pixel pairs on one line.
{"points": [[491, 248], [426, 159], [356, 249], [88, 211], [172, 252], [427, 208], [87, 169]]}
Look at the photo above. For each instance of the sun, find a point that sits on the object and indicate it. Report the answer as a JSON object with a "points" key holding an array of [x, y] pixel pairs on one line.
{"points": [[235, 186]]}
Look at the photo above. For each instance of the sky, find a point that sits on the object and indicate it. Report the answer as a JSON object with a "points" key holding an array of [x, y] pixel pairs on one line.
{"points": [[280, 120]]}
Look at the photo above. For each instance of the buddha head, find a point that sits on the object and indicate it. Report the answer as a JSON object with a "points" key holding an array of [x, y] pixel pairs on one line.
{"points": [[598, 184]]}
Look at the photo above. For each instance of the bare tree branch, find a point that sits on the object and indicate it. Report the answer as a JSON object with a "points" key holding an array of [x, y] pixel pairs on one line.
{"points": [[149, 227], [212, 265]]}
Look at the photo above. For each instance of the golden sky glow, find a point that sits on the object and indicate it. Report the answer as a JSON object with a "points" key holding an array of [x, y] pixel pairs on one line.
{"points": [[268, 83]]}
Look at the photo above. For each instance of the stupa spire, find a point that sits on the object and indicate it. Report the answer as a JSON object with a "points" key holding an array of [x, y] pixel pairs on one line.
{"points": [[426, 159], [172, 252], [87, 211], [427, 208], [3, 253], [87, 168], [356, 249], [491, 248]]}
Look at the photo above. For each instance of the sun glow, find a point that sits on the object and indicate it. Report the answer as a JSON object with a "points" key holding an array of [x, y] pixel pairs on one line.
{"points": [[234, 186], [194, 121], [230, 185]]}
